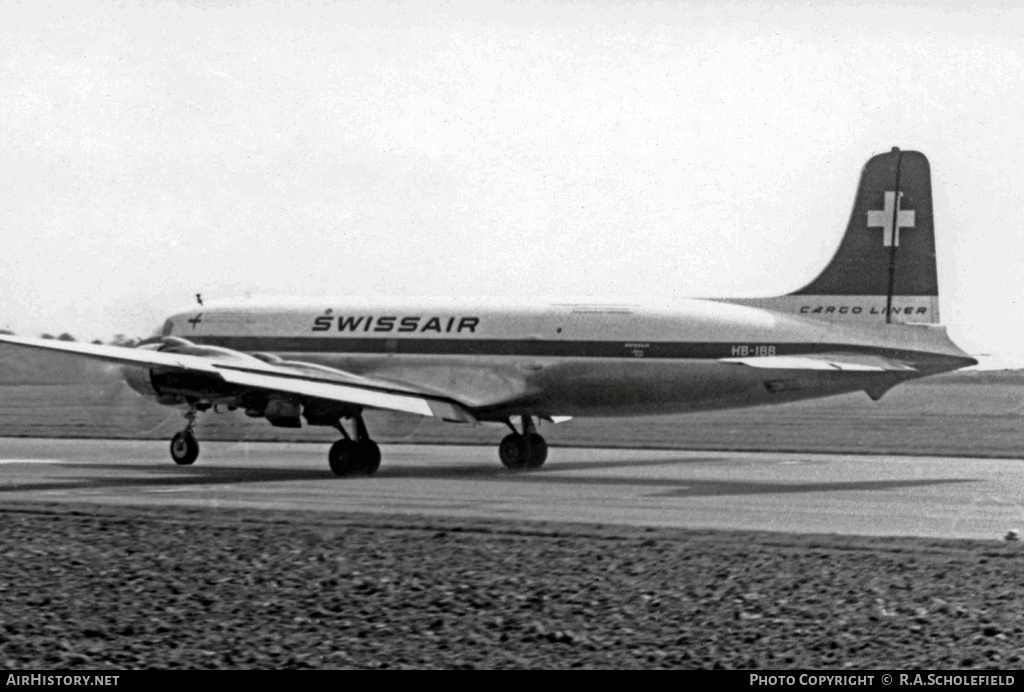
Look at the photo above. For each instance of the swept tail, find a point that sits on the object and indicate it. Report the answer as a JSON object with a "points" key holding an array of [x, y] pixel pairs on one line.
{"points": [[884, 270]]}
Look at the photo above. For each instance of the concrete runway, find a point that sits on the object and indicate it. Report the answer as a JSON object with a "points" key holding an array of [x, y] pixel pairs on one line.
{"points": [[799, 493]]}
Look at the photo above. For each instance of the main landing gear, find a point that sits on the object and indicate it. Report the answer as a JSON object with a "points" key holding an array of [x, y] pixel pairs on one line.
{"points": [[184, 448], [526, 450], [358, 457]]}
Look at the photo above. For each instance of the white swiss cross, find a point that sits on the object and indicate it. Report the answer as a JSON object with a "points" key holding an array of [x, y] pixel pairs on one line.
{"points": [[883, 218]]}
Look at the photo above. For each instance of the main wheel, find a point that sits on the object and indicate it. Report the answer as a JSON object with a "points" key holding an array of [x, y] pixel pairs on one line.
{"points": [[536, 451], [350, 458], [370, 457], [513, 452], [344, 458], [184, 448]]}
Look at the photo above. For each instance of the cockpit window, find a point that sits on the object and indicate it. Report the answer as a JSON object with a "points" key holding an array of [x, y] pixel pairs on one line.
{"points": [[167, 328]]}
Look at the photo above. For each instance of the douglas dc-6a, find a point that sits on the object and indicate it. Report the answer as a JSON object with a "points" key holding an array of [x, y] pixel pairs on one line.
{"points": [[866, 323]]}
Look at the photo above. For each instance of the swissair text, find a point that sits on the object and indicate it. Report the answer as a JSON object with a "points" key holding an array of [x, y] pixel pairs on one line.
{"points": [[394, 323]]}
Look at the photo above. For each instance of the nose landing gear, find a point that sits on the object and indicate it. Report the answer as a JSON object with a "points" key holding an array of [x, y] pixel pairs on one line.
{"points": [[523, 451], [184, 448]]}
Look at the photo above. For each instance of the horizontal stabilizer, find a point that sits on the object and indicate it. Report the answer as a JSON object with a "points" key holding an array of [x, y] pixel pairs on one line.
{"points": [[844, 361]]}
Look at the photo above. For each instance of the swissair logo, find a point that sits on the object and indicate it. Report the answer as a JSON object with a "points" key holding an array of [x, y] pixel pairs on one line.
{"points": [[883, 218]]}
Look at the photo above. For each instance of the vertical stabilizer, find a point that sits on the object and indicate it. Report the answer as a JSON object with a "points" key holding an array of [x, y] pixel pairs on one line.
{"points": [[884, 270]]}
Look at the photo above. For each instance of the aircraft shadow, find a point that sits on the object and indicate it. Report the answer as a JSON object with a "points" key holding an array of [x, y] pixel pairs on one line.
{"points": [[165, 476], [675, 487]]}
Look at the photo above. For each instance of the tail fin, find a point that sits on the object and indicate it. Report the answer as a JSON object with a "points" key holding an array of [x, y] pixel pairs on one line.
{"points": [[884, 270]]}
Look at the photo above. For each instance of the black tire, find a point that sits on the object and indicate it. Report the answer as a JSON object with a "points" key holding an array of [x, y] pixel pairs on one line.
{"points": [[512, 452], [370, 457], [350, 458], [344, 458], [536, 451], [184, 449]]}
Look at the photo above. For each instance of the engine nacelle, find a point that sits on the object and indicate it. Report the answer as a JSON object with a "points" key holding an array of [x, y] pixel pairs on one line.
{"points": [[171, 387], [283, 413], [139, 379]]}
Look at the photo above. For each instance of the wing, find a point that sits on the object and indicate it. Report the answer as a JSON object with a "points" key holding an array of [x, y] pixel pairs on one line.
{"points": [[268, 374]]}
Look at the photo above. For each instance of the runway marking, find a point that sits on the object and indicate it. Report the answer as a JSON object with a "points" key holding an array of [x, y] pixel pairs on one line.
{"points": [[32, 461]]}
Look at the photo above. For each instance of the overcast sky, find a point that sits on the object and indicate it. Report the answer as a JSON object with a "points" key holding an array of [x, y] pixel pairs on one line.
{"points": [[525, 149]]}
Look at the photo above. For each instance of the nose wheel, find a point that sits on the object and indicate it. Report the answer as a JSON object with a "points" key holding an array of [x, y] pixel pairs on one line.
{"points": [[523, 451], [184, 448]]}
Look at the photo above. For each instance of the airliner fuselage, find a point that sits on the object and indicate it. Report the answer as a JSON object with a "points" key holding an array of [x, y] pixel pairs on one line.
{"points": [[571, 359]]}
